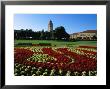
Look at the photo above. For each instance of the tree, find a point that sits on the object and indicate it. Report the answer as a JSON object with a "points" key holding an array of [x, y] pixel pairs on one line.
{"points": [[61, 34], [37, 35], [42, 35], [94, 37], [47, 35]]}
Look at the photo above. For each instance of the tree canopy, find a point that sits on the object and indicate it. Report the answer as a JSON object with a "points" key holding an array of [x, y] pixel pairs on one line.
{"points": [[58, 34], [61, 34]]}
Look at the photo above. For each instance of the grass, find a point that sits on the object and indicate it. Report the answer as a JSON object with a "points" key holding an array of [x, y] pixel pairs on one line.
{"points": [[59, 43]]}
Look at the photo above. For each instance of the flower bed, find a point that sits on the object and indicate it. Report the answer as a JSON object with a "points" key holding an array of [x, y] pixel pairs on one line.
{"points": [[57, 61]]}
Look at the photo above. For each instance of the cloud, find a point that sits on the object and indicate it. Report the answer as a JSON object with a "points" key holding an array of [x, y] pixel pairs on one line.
{"points": [[85, 25]]}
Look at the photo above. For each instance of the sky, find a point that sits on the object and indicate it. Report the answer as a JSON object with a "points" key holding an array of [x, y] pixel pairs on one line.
{"points": [[71, 22]]}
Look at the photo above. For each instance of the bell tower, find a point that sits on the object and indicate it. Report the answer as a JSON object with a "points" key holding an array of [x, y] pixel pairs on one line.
{"points": [[50, 26]]}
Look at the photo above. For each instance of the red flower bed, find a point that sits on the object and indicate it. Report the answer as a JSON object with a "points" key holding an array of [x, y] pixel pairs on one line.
{"points": [[81, 62], [22, 54], [59, 57]]}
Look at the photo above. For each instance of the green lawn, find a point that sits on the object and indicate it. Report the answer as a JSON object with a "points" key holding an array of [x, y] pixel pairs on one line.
{"points": [[59, 43]]}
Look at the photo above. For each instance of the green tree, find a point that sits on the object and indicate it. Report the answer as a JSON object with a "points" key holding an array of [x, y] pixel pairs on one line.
{"points": [[61, 34], [94, 37]]}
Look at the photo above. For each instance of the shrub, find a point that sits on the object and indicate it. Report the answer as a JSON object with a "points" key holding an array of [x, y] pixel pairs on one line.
{"points": [[44, 44]]}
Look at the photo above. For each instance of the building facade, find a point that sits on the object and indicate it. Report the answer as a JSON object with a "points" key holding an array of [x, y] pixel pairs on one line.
{"points": [[85, 35]]}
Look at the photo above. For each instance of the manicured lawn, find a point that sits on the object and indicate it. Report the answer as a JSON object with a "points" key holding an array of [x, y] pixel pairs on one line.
{"points": [[59, 43]]}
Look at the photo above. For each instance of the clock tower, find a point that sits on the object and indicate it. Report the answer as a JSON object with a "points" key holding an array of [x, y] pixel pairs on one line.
{"points": [[50, 26]]}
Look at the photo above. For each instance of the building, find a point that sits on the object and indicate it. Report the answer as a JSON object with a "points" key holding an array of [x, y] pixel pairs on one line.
{"points": [[85, 35], [50, 26]]}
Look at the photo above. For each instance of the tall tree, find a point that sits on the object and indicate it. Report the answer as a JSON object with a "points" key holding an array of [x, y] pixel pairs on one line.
{"points": [[61, 34]]}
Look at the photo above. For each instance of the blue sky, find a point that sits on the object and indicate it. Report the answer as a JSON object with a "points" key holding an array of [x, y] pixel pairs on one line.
{"points": [[72, 22]]}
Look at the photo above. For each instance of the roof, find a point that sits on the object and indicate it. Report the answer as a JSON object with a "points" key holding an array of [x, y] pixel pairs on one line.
{"points": [[89, 31], [74, 33]]}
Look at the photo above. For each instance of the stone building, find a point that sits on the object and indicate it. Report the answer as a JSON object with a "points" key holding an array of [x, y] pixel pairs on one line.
{"points": [[85, 35]]}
